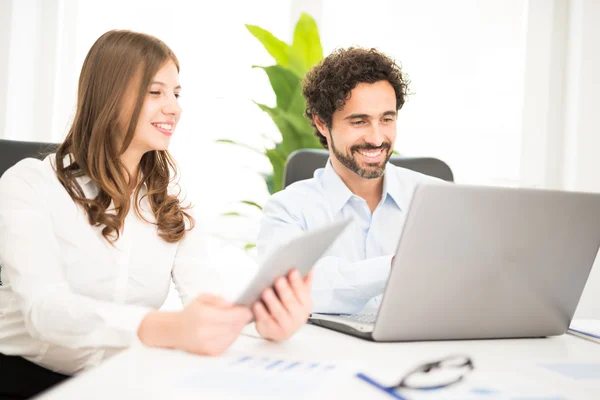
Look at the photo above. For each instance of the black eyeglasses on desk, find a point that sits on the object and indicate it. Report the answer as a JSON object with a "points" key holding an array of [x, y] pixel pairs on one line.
{"points": [[437, 374], [429, 376]]}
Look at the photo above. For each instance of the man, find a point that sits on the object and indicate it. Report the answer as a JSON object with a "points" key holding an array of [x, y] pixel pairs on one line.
{"points": [[352, 99]]}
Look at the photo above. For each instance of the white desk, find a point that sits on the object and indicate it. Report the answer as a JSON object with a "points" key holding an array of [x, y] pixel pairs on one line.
{"points": [[144, 373]]}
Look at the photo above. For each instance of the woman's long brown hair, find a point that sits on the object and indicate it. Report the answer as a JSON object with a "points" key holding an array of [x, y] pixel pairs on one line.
{"points": [[116, 63]]}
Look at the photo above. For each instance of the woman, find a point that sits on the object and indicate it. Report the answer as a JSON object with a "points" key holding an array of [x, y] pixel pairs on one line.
{"points": [[91, 236]]}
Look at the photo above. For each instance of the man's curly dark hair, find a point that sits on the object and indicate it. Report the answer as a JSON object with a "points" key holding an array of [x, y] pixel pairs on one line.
{"points": [[327, 85]]}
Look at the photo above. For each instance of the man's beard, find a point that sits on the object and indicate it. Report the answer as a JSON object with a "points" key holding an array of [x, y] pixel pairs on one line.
{"points": [[373, 170]]}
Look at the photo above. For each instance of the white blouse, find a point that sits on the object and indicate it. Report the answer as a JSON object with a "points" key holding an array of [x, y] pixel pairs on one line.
{"points": [[69, 299]]}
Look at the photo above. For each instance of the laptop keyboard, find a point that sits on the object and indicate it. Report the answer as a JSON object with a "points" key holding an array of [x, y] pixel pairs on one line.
{"points": [[361, 318]]}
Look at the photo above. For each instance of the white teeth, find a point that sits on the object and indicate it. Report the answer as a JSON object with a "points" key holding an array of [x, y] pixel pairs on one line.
{"points": [[370, 153], [167, 127]]}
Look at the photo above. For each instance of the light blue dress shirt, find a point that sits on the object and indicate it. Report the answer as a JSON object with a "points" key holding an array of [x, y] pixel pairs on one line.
{"points": [[352, 274]]}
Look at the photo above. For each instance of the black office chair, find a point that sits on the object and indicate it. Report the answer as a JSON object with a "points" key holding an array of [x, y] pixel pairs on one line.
{"points": [[13, 151], [301, 164]]}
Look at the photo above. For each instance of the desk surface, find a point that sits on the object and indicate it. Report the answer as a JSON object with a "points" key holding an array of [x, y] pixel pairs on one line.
{"points": [[142, 372]]}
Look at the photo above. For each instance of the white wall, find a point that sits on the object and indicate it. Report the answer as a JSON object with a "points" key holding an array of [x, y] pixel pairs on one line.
{"points": [[544, 93], [29, 96], [5, 29], [22, 69], [581, 147], [465, 61], [561, 109], [581, 161]]}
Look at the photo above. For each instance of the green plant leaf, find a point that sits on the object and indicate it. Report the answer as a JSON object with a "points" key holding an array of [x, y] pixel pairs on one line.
{"points": [[300, 124], [306, 46], [290, 137], [286, 85], [232, 214], [229, 141], [311, 142], [288, 89], [292, 63], [269, 182], [252, 203], [298, 103], [277, 160], [278, 49]]}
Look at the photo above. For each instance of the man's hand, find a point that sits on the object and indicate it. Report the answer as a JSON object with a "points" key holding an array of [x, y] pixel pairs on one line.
{"points": [[285, 311]]}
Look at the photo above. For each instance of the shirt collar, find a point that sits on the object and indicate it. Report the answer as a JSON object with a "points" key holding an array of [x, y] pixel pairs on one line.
{"points": [[338, 193], [393, 187], [336, 190]]}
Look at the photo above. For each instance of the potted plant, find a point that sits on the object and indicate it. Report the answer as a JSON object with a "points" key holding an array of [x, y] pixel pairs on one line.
{"points": [[292, 62]]}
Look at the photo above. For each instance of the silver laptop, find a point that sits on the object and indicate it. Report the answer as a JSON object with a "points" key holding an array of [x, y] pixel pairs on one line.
{"points": [[483, 262]]}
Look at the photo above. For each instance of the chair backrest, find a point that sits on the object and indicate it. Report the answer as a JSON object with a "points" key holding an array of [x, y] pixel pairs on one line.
{"points": [[301, 164], [13, 151]]}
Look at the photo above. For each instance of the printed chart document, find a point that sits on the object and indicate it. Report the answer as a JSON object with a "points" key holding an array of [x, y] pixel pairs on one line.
{"points": [[259, 377]]}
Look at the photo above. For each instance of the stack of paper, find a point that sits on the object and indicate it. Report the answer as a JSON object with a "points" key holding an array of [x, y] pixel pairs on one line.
{"points": [[586, 328]]}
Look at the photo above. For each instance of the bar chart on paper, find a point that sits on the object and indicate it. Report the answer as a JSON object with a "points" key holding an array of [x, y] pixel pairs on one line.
{"points": [[258, 377]]}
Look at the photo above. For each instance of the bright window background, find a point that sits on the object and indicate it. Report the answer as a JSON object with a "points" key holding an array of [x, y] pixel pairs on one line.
{"points": [[465, 60]]}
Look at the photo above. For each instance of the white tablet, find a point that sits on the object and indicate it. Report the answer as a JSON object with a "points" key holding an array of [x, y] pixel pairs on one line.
{"points": [[301, 252]]}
